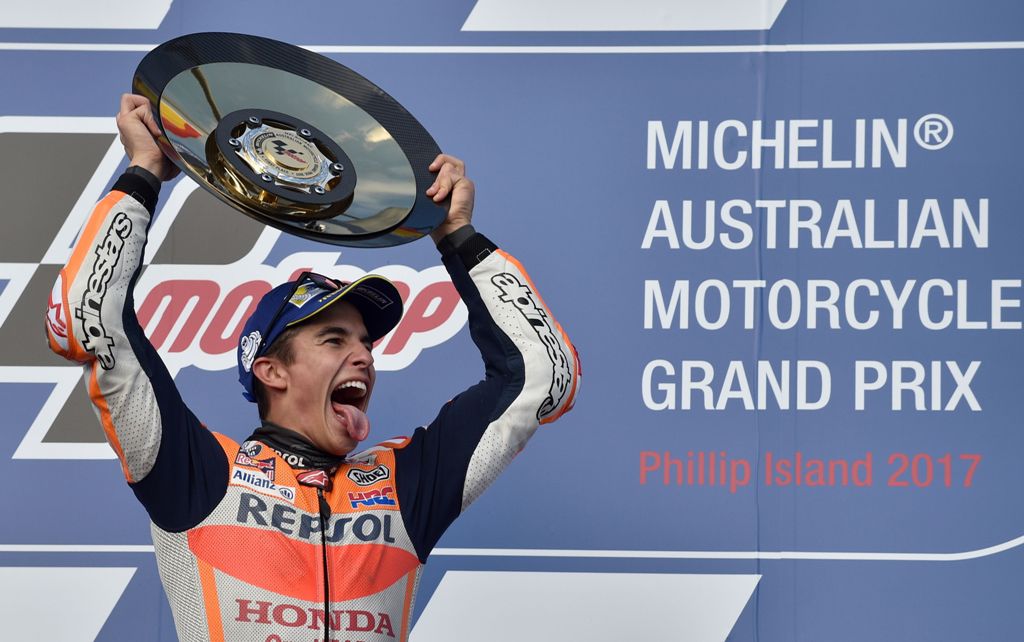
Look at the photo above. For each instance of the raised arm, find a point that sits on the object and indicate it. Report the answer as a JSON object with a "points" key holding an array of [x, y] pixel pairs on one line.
{"points": [[162, 447], [531, 375]]}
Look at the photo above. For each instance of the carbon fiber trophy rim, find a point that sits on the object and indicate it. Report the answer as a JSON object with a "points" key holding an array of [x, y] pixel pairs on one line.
{"points": [[354, 171]]}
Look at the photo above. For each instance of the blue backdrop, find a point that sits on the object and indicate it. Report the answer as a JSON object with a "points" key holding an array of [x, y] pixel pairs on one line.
{"points": [[835, 195]]}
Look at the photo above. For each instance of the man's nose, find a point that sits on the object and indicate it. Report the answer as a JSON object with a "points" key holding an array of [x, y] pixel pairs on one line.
{"points": [[362, 356]]}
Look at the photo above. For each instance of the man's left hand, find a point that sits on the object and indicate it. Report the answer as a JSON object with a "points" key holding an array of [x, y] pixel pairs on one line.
{"points": [[451, 181]]}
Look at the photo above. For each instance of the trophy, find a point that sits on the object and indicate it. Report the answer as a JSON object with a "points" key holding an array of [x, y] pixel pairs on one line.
{"points": [[292, 138]]}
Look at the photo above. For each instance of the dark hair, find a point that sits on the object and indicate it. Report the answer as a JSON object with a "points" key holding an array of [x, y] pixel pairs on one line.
{"points": [[280, 349]]}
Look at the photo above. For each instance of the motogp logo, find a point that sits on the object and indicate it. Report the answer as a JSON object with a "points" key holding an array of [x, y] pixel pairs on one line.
{"points": [[194, 314], [204, 270]]}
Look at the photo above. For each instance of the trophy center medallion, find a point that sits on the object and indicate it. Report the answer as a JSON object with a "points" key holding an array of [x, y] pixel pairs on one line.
{"points": [[293, 156], [283, 164]]}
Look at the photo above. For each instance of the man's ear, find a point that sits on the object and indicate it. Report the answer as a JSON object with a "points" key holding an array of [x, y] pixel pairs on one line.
{"points": [[271, 373]]}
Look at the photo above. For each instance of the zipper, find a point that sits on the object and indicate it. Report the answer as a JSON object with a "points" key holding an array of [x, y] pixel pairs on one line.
{"points": [[325, 515]]}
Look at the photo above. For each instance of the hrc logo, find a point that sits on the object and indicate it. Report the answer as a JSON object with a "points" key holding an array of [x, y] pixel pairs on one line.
{"points": [[370, 498]]}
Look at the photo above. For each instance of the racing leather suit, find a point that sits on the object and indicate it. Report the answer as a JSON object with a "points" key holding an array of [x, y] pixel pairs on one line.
{"points": [[246, 551]]}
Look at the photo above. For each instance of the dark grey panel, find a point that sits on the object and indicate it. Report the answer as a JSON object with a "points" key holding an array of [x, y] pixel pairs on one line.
{"points": [[41, 177], [23, 335], [76, 422], [24, 340], [208, 232]]}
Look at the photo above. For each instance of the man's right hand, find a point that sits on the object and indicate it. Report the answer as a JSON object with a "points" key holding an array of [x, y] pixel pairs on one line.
{"points": [[138, 132]]}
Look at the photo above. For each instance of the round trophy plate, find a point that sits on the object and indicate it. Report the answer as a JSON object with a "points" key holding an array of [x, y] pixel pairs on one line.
{"points": [[292, 139]]}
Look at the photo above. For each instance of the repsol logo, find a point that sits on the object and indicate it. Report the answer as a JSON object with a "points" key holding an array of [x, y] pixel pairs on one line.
{"points": [[295, 461], [519, 295], [94, 336], [293, 616], [290, 521]]}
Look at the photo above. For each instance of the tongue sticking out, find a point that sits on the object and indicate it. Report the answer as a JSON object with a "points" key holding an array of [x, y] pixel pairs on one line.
{"points": [[355, 420]]}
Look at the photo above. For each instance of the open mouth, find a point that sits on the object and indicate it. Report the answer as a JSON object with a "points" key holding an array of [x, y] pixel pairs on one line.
{"points": [[349, 393]]}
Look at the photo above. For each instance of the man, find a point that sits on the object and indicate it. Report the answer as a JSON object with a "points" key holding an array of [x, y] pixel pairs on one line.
{"points": [[289, 535]]}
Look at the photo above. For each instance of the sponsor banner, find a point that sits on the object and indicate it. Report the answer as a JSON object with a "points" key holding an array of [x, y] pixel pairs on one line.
{"points": [[784, 237]]}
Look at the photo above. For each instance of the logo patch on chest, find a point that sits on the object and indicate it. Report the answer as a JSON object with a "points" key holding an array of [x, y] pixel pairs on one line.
{"points": [[369, 477], [257, 480]]}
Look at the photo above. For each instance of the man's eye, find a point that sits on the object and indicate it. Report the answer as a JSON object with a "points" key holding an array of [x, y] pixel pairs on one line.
{"points": [[335, 340]]}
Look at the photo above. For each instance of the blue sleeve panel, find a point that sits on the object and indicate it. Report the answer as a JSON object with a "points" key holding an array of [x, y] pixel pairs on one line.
{"points": [[431, 468], [190, 475], [189, 461], [532, 374]]}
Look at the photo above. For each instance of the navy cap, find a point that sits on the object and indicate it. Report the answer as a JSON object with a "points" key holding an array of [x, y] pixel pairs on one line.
{"points": [[293, 302]]}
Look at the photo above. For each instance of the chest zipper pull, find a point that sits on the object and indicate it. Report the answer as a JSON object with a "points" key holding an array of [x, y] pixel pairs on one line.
{"points": [[321, 480]]}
